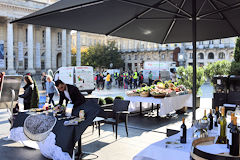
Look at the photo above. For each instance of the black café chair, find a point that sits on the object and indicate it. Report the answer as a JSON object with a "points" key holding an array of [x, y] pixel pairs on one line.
{"points": [[119, 113]]}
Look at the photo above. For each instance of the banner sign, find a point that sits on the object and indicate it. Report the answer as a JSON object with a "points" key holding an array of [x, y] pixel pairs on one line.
{"points": [[38, 55], [2, 63], [20, 51]]}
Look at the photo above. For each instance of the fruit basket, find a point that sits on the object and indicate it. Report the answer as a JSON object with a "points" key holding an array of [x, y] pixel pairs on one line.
{"points": [[132, 93], [144, 94]]}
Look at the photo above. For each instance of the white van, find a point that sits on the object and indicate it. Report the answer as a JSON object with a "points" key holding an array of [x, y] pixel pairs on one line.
{"points": [[80, 76]]}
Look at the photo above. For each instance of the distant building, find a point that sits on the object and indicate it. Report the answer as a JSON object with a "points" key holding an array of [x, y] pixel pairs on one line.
{"points": [[31, 48], [135, 52]]}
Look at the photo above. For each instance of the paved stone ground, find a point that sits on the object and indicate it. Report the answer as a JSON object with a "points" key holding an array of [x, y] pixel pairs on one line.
{"points": [[143, 131]]}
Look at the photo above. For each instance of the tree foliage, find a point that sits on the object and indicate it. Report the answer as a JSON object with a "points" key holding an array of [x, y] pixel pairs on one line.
{"points": [[102, 56], [186, 79], [235, 66], [218, 68]]}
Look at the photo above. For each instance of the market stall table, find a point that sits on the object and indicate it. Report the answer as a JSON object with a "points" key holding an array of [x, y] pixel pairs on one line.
{"points": [[172, 150], [164, 105], [61, 141]]}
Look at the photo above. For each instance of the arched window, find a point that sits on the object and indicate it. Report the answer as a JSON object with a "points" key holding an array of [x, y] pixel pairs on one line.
{"points": [[221, 55], [200, 56], [210, 55]]}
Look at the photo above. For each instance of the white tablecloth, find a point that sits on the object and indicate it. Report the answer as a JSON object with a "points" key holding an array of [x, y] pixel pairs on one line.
{"points": [[162, 151], [167, 104]]}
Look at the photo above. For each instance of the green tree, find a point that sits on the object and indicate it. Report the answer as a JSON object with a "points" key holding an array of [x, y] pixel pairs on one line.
{"points": [[186, 79], [235, 66], [218, 68], [102, 56]]}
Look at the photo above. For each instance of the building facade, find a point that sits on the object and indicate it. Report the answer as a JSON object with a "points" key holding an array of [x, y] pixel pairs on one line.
{"points": [[30, 48], [135, 52]]}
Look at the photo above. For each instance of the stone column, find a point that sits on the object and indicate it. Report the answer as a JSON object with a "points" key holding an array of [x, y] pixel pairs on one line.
{"points": [[30, 49], [10, 58], [69, 50], [48, 64], [78, 58], [64, 48]]}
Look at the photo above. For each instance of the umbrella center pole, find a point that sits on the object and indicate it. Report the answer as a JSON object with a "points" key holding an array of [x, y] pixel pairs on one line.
{"points": [[194, 38]]}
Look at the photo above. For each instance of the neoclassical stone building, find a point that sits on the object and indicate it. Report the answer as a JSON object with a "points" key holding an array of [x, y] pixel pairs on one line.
{"points": [[30, 48], [135, 52]]}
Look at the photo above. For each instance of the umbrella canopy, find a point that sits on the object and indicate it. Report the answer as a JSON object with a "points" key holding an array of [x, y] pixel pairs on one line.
{"points": [[159, 21]]}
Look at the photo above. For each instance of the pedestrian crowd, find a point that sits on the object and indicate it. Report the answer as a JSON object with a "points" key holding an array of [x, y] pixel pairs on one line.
{"points": [[125, 79]]}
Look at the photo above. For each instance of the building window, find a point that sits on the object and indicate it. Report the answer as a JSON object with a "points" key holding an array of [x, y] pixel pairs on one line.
{"points": [[59, 37], [129, 57], [210, 55], [26, 32], [148, 58], [163, 56], [95, 41], [200, 56], [43, 37], [135, 64], [136, 57], [201, 43], [211, 42], [171, 56], [221, 55], [190, 56]]}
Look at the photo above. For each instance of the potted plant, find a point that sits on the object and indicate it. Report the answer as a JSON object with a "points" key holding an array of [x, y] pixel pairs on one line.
{"points": [[186, 79]]}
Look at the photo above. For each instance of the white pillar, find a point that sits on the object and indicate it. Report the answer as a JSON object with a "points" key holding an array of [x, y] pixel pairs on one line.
{"points": [[10, 58], [69, 50], [30, 49], [48, 64], [78, 49], [64, 48]]}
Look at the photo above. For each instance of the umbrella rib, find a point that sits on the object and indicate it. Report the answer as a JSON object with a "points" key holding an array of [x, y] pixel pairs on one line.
{"points": [[179, 8], [165, 18], [61, 10], [172, 24], [154, 8], [223, 16], [128, 22], [133, 19], [220, 2], [234, 6], [200, 9]]}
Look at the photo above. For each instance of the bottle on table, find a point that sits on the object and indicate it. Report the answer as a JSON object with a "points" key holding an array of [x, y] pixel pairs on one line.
{"points": [[210, 119], [183, 132], [216, 116], [230, 125], [222, 123], [234, 139], [205, 115]]}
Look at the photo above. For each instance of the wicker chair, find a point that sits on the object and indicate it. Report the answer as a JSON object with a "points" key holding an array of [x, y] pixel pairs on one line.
{"points": [[119, 114]]}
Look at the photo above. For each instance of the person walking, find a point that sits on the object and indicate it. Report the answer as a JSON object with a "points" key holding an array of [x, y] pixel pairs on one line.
{"points": [[43, 80], [140, 79], [101, 86], [108, 79], [51, 89], [27, 95], [130, 81], [135, 78], [150, 76]]}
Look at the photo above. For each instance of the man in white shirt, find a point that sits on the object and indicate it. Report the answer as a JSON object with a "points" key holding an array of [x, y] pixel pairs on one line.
{"points": [[69, 93]]}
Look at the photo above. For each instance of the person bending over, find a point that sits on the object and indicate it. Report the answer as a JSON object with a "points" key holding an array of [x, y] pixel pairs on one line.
{"points": [[70, 93]]}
